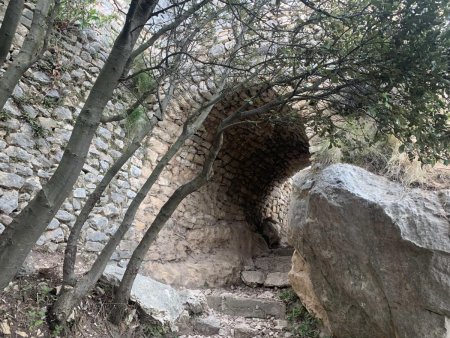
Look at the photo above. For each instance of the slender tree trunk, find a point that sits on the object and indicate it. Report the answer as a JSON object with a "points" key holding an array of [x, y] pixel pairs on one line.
{"points": [[30, 52], [72, 296], [10, 22], [123, 293], [19, 238], [71, 247]]}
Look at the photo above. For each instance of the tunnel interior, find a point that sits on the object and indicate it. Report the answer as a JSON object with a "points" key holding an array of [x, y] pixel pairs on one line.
{"points": [[241, 212]]}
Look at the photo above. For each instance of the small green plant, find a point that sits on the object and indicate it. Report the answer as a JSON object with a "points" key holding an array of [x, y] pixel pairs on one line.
{"points": [[134, 120], [302, 324], [288, 296], [144, 81], [4, 116], [80, 13], [38, 130], [154, 331], [36, 318], [57, 331]]}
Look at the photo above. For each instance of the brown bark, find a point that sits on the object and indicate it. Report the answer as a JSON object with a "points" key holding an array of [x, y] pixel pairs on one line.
{"points": [[10, 22], [20, 236]]}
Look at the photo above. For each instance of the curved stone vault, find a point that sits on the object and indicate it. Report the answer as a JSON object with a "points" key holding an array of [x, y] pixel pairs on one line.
{"points": [[241, 211]]}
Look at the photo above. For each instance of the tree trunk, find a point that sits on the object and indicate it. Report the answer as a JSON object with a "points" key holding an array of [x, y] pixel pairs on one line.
{"points": [[123, 293], [10, 22], [20, 236], [30, 51], [71, 296], [71, 247]]}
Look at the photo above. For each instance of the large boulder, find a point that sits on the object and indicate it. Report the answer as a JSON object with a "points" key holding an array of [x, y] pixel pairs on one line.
{"points": [[372, 257], [159, 301]]}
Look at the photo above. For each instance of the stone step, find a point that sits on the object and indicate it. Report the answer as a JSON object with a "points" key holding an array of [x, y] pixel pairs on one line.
{"points": [[232, 305], [285, 251], [220, 325], [273, 263], [270, 280]]}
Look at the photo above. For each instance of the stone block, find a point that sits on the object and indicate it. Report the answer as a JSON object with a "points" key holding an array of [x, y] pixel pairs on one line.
{"points": [[253, 278], [246, 307]]}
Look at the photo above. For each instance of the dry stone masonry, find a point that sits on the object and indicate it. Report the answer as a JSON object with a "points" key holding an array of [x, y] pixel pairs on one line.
{"points": [[214, 232]]}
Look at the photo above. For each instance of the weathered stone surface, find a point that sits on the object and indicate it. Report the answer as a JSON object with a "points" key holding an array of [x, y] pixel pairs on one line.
{"points": [[377, 256], [41, 77], [96, 236], [53, 224], [274, 263], [253, 278], [9, 201], [244, 331], [160, 301], [62, 113], [277, 279], [207, 326], [10, 180], [56, 235], [10, 108], [194, 301], [53, 95], [21, 140], [32, 184], [64, 216], [246, 307], [79, 193]]}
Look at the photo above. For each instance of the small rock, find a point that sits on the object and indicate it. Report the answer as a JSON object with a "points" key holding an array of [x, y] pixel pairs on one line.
{"points": [[53, 95], [21, 140], [281, 324], [41, 77], [9, 201], [244, 331], [47, 123], [10, 180], [277, 279], [117, 198], [207, 326], [53, 224], [253, 278], [96, 236], [79, 193], [30, 111], [18, 153], [32, 184], [10, 108], [18, 93], [98, 222], [93, 246], [56, 235], [62, 113], [4, 328], [64, 216], [77, 74], [135, 171]]}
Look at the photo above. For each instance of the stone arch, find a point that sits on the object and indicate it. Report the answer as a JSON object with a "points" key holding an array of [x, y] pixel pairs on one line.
{"points": [[222, 226]]}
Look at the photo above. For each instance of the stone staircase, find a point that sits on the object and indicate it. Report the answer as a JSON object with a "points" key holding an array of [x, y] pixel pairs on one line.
{"points": [[270, 270], [251, 310]]}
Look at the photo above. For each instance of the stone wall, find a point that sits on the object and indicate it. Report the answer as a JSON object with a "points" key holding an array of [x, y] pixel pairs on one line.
{"points": [[213, 232]]}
